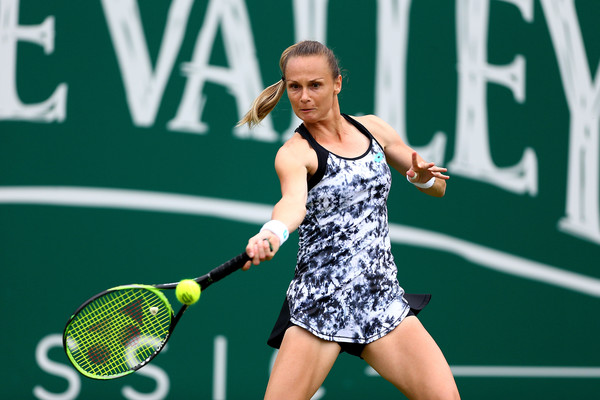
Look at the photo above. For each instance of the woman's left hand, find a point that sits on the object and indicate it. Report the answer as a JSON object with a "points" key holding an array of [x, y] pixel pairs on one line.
{"points": [[421, 172]]}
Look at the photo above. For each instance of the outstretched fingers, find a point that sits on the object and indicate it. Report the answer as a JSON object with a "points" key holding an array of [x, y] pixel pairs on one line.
{"points": [[438, 172], [423, 171]]}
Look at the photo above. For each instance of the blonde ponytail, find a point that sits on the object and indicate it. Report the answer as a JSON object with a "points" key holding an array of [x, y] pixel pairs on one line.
{"points": [[263, 104]]}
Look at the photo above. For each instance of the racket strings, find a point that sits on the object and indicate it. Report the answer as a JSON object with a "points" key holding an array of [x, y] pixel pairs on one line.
{"points": [[118, 331]]}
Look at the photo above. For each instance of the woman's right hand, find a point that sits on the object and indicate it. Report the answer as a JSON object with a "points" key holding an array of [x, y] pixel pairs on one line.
{"points": [[261, 247]]}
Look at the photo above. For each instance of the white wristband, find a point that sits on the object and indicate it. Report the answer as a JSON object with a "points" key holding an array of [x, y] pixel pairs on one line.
{"points": [[425, 185], [278, 228]]}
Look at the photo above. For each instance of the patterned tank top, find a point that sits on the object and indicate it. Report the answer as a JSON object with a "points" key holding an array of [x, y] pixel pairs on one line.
{"points": [[345, 287]]}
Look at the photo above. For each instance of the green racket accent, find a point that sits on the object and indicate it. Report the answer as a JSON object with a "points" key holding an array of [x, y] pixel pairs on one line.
{"points": [[118, 331]]}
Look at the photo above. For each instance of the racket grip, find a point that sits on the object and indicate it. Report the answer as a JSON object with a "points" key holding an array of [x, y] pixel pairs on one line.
{"points": [[223, 270]]}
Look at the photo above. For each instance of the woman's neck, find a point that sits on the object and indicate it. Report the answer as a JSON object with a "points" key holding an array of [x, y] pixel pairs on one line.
{"points": [[331, 127]]}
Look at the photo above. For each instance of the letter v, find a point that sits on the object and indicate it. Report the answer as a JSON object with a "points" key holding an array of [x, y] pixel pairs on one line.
{"points": [[144, 86]]}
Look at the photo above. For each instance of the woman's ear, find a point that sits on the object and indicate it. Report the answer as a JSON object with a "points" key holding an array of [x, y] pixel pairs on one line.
{"points": [[337, 84]]}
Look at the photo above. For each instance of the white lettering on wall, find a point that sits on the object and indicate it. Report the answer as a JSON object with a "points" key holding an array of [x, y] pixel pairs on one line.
{"points": [[219, 391], [583, 99], [74, 382], [472, 157], [156, 374], [144, 86], [390, 79], [11, 108], [310, 20], [242, 77], [56, 369], [151, 371]]}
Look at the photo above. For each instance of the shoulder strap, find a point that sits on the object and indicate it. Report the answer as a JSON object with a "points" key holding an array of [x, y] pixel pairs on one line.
{"points": [[359, 126], [363, 129], [322, 155]]}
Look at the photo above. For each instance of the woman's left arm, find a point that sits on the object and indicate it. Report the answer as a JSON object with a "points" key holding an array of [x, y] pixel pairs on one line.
{"points": [[404, 159]]}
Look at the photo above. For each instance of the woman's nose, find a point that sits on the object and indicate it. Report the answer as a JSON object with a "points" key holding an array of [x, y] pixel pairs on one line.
{"points": [[305, 97]]}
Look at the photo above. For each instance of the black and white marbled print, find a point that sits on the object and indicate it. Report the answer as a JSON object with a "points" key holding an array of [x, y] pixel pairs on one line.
{"points": [[345, 287]]}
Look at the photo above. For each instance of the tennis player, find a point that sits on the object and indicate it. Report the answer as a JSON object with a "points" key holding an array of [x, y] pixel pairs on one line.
{"points": [[345, 295]]}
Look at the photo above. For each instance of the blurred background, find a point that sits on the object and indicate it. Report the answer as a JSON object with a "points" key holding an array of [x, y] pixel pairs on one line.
{"points": [[120, 163]]}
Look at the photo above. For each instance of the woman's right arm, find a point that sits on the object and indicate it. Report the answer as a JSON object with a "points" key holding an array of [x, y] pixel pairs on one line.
{"points": [[292, 165]]}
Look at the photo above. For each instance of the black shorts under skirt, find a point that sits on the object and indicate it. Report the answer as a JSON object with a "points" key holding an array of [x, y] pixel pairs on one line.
{"points": [[416, 302]]}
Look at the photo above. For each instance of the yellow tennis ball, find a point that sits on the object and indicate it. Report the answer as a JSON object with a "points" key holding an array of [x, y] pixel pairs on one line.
{"points": [[187, 291]]}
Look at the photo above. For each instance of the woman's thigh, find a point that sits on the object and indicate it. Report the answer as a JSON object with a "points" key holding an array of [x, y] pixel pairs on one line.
{"points": [[410, 359], [301, 365]]}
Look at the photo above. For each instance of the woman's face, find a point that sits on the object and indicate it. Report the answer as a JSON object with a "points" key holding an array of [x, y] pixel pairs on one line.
{"points": [[311, 89]]}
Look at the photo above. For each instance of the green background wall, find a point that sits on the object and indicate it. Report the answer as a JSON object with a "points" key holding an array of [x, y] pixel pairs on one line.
{"points": [[101, 183]]}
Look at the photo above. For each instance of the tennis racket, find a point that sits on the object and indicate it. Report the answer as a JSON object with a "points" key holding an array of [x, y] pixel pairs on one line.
{"points": [[121, 329]]}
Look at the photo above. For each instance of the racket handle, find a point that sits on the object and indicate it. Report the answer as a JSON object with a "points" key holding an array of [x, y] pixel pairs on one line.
{"points": [[223, 270]]}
